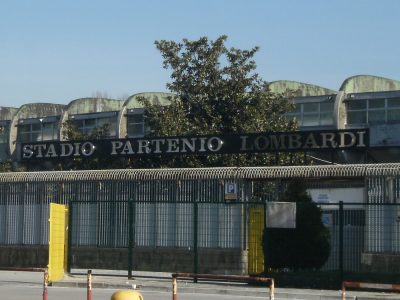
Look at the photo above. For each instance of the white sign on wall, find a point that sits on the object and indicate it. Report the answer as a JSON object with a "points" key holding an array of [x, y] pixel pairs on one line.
{"points": [[334, 195], [281, 215]]}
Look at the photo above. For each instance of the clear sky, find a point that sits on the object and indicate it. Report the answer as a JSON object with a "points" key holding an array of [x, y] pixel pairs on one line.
{"points": [[57, 51]]}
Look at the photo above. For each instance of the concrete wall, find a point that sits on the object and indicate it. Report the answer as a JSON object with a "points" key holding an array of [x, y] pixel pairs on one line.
{"points": [[24, 256], [213, 261], [217, 261], [380, 263]]}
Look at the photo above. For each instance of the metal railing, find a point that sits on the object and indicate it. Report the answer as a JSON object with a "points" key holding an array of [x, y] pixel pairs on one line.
{"points": [[369, 286], [224, 278]]}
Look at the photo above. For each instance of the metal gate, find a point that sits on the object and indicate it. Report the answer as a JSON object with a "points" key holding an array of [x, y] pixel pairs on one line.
{"points": [[58, 241], [256, 229]]}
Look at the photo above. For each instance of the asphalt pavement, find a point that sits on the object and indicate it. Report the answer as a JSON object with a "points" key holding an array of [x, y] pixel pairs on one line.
{"points": [[149, 281]]}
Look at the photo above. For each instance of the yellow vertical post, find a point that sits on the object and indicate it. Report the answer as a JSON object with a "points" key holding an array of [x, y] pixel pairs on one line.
{"points": [[256, 228], [57, 243]]}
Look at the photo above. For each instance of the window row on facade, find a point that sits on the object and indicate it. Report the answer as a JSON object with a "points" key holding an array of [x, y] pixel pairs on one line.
{"points": [[360, 112]]}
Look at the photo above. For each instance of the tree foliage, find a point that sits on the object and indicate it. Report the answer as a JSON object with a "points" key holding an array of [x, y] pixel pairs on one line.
{"points": [[305, 247], [217, 92], [72, 133], [6, 166]]}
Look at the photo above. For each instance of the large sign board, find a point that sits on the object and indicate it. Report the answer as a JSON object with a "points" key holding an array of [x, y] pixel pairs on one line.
{"points": [[200, 145]]}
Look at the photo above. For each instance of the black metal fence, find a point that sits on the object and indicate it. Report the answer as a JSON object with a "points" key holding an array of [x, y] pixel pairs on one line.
{"points": [[182, 220], [364, 246], [161, 236], [223, 238]]}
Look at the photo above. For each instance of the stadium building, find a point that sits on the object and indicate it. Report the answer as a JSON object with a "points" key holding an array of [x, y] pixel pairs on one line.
{"points": [[211, 218], [361, 102]]}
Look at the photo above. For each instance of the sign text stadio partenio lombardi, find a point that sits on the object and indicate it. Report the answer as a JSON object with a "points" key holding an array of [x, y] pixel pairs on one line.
{"points": [[208, 144]]}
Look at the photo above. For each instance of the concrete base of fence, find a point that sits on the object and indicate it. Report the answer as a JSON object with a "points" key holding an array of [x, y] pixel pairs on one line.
{"points": [[163, 259], [24, 256], [380, 262]]}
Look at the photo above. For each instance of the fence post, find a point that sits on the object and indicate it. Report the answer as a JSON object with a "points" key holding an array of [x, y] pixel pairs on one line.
{"points": [[69, 242], [195, 237], [272, 290], [174, 288], [343, 291], [131, 228], [45, 283], [341, 241]]}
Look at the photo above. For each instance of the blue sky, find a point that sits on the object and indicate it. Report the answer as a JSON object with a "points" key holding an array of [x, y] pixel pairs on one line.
{"points": [[57, 51]]}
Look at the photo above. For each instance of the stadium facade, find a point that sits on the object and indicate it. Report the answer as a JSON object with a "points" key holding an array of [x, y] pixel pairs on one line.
{"points": [[156, 215], [361, 102]]}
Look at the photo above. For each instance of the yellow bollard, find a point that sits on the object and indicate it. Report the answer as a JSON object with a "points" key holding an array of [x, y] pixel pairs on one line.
{"points": [[126, 295]]}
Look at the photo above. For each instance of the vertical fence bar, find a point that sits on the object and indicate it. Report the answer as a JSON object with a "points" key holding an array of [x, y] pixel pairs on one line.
{"points": [[69, 242], [195, 239], [341, 241], [131, 225]]}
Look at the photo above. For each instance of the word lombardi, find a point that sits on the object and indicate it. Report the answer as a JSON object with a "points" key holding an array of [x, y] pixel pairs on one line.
{"points": [[323, 140], [216, 144]]}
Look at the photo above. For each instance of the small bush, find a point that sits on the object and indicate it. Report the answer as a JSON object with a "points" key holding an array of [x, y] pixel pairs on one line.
{"points": [[305, 247]]}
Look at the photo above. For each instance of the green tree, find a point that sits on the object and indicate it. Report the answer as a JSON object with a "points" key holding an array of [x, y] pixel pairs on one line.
{"points": [[305, 247], [217, 91], [6, 166], [72, 133]]}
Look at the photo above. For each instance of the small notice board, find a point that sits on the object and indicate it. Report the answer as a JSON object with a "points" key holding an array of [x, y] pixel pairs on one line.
{"points": [[231, 192]]}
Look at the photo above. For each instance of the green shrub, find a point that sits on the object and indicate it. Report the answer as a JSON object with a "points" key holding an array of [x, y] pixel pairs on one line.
{"points": [[305, 247]]}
